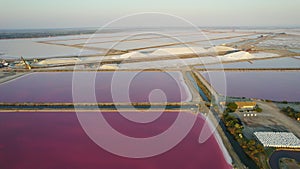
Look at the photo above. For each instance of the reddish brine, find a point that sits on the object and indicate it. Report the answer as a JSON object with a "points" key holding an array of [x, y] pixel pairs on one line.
{"points": [[57, 140]]}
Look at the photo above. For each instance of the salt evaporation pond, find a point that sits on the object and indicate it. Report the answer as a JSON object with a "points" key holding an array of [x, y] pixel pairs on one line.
{"points": [[287, 62], [109, 87], [56, 140], [28, 48], [277, 86]]}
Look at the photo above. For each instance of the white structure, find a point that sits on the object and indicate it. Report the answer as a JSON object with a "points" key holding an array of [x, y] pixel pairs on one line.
{"points": [[246, 105], [278, 139], [250, 115]]}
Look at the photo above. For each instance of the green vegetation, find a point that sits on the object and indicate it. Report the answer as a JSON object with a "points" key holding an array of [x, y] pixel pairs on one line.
{"points": [[44, 33], [291, 112], [202, 87], [269, 151], [288, 163], [231, 107], [258, 109], [251, 147]]}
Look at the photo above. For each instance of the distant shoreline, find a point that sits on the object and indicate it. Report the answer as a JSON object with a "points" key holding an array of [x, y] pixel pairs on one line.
{"points": [[54, 32], [41, 34]]}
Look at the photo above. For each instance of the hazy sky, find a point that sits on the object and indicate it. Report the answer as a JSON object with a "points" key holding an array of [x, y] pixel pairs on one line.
{"points": [[95, 13]]}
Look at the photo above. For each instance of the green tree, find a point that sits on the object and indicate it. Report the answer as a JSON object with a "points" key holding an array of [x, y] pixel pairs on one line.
{"points": [[260, 148], [231, 107], [258, 109]]}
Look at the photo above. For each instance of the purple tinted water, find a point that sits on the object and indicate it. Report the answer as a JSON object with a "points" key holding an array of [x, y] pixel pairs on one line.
{"points": [[57, 87], [56, 140], [277, 86], [270, 63]]}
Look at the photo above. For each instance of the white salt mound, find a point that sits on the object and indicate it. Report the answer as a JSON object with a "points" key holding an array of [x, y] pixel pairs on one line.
{"points": [[113, 67], [59, 61], [179, 51], [218, 49], [237, 56], [132, 55]]}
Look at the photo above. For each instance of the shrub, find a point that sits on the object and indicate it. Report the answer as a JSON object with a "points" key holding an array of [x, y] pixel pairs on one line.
{"points": [[231, 107]]}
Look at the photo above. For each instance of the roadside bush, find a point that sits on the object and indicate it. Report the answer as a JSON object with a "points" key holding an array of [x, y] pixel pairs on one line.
{"points": [[231, 107]]}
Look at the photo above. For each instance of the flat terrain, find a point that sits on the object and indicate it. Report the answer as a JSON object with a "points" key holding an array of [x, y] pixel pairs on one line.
{"points": [[7, 76], [270, 119], [161, 51]]}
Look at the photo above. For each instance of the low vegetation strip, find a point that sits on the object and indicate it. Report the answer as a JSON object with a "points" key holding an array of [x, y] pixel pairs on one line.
{"points": [[14, 107], [252, 148], [289, 111], [202, 86]]}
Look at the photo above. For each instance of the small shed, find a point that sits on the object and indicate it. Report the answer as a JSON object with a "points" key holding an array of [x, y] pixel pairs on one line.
{"points": [[246, 105]]}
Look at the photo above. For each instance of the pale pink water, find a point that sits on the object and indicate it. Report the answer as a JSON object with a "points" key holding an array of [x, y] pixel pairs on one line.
{"points": [[57, 87], [277, 86]]}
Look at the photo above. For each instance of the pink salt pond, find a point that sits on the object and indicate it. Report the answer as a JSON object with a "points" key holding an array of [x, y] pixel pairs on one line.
{"points": [[57, 140], [101, 86]]}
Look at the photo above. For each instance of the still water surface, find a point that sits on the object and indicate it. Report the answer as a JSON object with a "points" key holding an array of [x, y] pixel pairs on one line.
{"points": [[277, 86], [109, 87], [56, 140]]}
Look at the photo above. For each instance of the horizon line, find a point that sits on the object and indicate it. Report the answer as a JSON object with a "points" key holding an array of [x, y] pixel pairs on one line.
{"points": [[157, 27]]}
